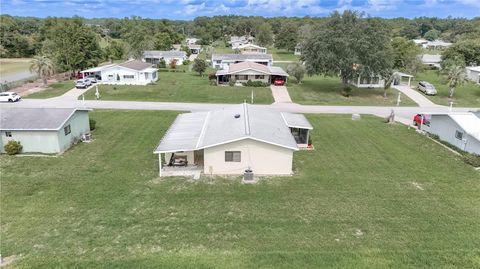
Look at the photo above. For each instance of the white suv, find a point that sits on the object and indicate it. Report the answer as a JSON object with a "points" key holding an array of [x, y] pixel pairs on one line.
{"points": [[9, 97], [83, 83]]}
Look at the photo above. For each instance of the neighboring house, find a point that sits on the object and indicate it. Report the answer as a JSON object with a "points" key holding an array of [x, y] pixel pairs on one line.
{"points": [[435, 44], [194, 49], [459, 129], [368, 82], [230, 140], [252, 49], [432, 60], [473, 73], [191, 40], [43, 130], [298, 50], [236, 41], [221, 61], [245, 71], [154, 56], [132, 72]]}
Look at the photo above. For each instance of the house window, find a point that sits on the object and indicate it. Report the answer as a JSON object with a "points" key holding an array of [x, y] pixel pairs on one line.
{"points": [[146, 76], [375, 80], [8, 134], [458, 135], [67, 129], [259, 76], [128, 76], [233, 156], [241, 77]]}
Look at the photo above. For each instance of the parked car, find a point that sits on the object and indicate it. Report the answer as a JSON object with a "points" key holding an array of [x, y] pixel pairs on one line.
{"points": [[92, 78], [9, 97], [82, 83], [426, 88], [421, 119], [278, 82]]}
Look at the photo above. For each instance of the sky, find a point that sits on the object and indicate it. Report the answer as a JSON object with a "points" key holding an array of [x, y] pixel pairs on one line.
{"points": [[189, 9]]}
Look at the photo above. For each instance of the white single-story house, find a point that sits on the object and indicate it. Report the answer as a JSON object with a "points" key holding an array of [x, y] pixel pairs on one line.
{"points": [[230, 140], [252, 49], [368, 82], [236, 41], [191, 40], [435, 44], [432, 60], [298, 50], [154, 56], [132, 72], [461, 129], [473, 73], [194, 49], [245, 71], [221, 61], [43, 130]]}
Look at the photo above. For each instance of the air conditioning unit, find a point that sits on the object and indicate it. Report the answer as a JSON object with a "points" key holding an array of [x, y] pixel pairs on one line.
{"points": [[87, 138], [248, 175]]}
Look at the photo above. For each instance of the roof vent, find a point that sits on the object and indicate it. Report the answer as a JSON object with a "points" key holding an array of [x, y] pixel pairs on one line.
{"points": [[237, 116]]}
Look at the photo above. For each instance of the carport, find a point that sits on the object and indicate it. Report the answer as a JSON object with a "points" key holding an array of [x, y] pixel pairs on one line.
{"points": [[402, 79]]}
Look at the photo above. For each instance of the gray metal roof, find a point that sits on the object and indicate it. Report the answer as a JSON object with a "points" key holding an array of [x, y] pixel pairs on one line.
{"points": [[135, 65], [241, 57], [35, 119], [431, 58], [201, 130], [164, 54], [296, 121]]}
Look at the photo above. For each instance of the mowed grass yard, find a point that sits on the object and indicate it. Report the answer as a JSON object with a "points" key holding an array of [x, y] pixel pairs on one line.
{"points": [[371, 195], [467, 95], [10, 66], [53, 90], [321, 90], [182, 87]]}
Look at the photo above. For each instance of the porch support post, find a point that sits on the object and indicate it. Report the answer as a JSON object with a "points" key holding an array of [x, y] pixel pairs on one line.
{"points": [[160, 164], [308, 135], [217, 79], [409, 78]]}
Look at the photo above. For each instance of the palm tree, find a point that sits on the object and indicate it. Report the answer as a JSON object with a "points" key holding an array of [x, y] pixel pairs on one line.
{"points": [[455, 75], [43, 66]]}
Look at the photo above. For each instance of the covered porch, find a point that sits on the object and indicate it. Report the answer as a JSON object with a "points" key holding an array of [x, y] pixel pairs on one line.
{"points": [[402, 79], [181, 163]]}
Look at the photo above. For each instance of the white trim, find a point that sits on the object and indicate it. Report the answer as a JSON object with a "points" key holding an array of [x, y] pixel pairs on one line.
{"points": [[202, 133]]}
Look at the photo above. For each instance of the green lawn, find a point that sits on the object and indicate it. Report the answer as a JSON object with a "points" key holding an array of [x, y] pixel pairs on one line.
{"points": [[371, 195], [320, 90], [282, 55], [182, 87], [10, 66], [54, 89], [467, 95]]}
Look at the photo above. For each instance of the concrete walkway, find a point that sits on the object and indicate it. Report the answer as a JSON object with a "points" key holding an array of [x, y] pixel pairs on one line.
{"points": [[416, 96], [73, 94], [280, 94]]}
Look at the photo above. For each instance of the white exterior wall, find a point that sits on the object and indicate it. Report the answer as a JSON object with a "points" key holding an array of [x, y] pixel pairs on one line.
{"points": [[109, 76], [473, 76], [225, 63], [262, 158], [34, 141], [445, 128], [250, 76]]}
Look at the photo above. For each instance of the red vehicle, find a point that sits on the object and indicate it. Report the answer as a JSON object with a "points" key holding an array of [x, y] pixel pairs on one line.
{"points": [[421, 119], [278, 82], [79, 75]]}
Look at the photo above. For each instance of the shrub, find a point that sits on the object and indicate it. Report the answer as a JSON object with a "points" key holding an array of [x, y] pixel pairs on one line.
{"points": [[471, 159], [231, 83], [212, 76], [13, 147], [173, 64], [93, 123], [250, 83], [213, 82], [186, 62], [161, 63], [346, 91]]}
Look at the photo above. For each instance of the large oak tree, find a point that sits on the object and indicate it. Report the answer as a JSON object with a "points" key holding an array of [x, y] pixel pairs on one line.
{"points": [[348, 45]]}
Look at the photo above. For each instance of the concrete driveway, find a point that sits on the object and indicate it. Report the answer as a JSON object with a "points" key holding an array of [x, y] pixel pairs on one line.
{"points": [[280, 94], [416, 96]]}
